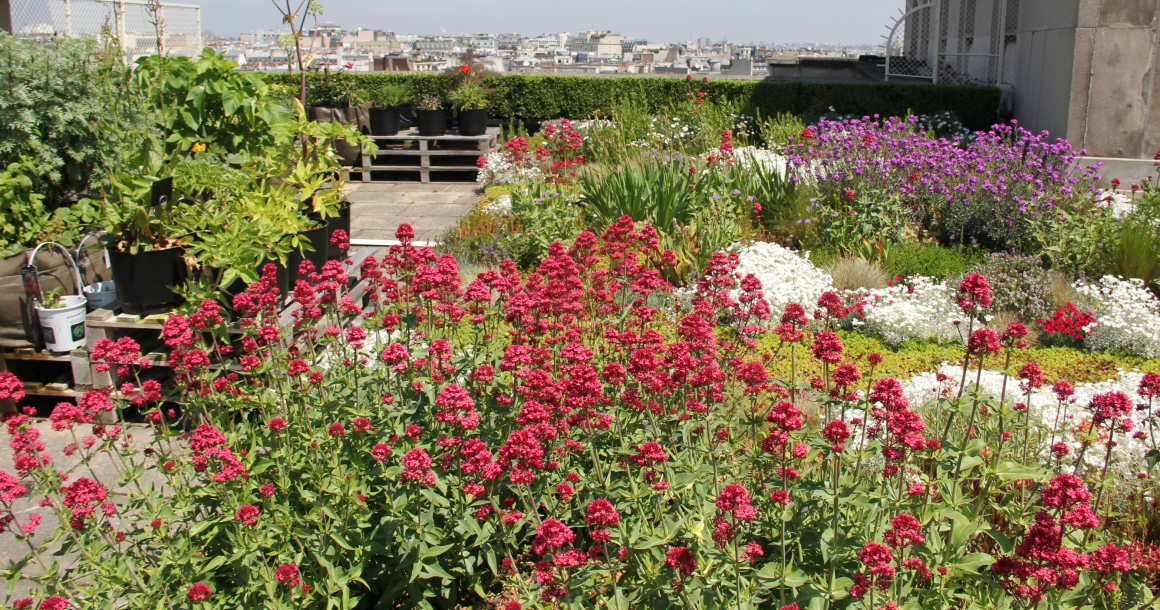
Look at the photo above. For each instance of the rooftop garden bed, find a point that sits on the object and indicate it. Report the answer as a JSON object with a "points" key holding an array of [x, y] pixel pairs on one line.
{"points": [[679, 356]]}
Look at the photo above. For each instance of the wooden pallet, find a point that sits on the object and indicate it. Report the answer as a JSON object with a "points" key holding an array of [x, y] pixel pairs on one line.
{"points": [[105, 324], [411, 144]]}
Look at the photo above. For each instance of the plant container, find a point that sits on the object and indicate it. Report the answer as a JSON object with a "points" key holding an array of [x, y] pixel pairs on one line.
{"points": [[63, 328], [406, 115], [472, 122], [384, 120], [317, 240], [102, 295], [143, 279], [342, 221], [432, 122]]}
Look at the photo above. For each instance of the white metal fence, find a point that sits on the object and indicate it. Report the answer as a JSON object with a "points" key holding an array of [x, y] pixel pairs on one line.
{"points": [[138, 24], [957, 42]]}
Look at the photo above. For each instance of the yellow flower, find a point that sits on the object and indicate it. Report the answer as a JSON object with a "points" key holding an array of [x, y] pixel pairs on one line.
{"points": [[197, 147]]}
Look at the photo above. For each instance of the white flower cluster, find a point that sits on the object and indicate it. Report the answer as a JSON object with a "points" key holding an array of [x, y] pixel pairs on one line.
{"points": [[749, 156], [499, 206], [786, 277], [923, 310], [500, 170], [1119, 204], [1127, 315], [1045, 412]]}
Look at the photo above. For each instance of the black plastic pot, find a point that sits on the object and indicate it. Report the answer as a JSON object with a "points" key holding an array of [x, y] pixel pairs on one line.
{"points": [[432, 122], [384, 120], [342, 221], [406, 115], [472, 122], [317, 240], [532, 126], [142, 279]]}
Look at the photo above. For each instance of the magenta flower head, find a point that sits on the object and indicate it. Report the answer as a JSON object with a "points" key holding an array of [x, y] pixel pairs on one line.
{"points": [[983, 341], [974, 292], [198, 591]]}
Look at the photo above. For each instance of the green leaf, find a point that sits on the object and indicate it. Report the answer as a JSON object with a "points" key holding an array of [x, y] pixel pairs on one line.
{"points": [[971, 563]]}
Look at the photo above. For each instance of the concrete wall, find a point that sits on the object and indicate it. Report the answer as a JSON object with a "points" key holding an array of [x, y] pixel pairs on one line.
{"points": [[1087, 72]]}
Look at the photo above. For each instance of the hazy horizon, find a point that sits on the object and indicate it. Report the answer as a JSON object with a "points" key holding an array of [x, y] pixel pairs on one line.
{"points": [[855, 22]]}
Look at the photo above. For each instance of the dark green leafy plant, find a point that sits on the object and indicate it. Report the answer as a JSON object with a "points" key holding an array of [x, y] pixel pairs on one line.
{"points": [[1135, 252], [651, 192], [205, 104], [392, 95], [907, 259], [469, 96], [66, 104], [26, 219]]}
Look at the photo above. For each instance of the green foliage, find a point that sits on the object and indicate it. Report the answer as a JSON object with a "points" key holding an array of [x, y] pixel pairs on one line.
{"points": [[782, 200], [781, 130], [546, 213], [657, 193], [539, 96], [1071, 240], [206, 101], [468, 96], [1023, 286], [64, 104], [1135, 251], [390, 95], [866, 226], [907, 259], [26, 219]]}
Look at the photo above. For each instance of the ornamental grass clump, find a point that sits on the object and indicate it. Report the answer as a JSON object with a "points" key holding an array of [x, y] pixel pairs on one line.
{"points": [[558, 439]]}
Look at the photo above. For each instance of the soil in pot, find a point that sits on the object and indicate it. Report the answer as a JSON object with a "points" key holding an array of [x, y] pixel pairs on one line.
{"points": [[472, 122], [384, 121], [143, 279], [432, 122], [342, 221]]}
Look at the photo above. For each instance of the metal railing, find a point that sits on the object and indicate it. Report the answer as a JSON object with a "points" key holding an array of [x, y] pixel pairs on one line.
{"points": [[959, 42], [142, 27]]}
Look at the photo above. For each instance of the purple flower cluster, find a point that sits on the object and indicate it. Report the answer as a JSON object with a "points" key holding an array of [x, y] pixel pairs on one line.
{"points": [[990, 190]]}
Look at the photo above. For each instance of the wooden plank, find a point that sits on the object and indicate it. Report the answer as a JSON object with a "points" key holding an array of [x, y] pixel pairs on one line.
{"points": [[413, 168], [100, 315], [82, 370], [413, 134], [414, 153], [46, 356]]}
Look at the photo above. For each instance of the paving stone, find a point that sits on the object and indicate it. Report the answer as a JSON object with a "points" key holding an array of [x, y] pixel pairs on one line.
{"points": [[379, 208]]}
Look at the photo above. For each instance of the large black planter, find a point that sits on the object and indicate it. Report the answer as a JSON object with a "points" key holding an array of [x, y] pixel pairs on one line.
{"points": [[317, 257], [432, 122], [142, 279], [406, 115], [472, 122], [384, 121], [342, 221]]}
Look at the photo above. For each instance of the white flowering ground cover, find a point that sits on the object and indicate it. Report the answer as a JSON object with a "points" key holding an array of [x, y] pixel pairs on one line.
{"points": [[1127, 315], [1046, 413], [787, 277], [924, 309], [500, 170]]}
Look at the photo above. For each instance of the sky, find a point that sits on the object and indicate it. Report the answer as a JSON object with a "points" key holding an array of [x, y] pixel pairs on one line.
{"points": [[741, 21]]}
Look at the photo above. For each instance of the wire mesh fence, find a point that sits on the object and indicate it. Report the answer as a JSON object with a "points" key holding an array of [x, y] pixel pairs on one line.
{"points": [[143, 28], [956, 42]]}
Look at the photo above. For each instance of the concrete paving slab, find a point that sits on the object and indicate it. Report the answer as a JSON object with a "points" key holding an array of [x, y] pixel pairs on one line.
{"points": [[379, 208]]}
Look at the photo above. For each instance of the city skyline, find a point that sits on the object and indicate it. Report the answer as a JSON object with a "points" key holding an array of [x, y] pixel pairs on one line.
{"points": [[854, 22]]}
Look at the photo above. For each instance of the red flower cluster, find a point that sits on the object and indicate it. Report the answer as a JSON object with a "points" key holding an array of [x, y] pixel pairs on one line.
{"points": [[1068, 320]]}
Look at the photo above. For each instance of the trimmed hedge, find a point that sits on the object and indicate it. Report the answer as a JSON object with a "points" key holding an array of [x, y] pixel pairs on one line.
{"points": [[548, 97]]}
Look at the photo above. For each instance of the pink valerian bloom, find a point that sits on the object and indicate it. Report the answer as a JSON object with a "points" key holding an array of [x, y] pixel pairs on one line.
{"points": [[974, 293], [197, 592], [11, 387], [983, 341], [381, 451], [681, 559], [552, 533], [267, 490], [247, 514], [54, 602], [336, 429], [753, 551], [276, 424], [904, 531], [340, 240], [287, 574], [416, 467]]}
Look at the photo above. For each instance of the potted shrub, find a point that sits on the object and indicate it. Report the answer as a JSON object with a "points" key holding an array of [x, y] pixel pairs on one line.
{"points": [[146, 256], [385, 117], [470, 102], [431, 116]]}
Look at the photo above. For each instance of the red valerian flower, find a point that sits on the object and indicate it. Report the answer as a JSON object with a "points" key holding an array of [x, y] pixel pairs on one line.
{"points": [[974, 292], [198, 591], [336, 429], [247, 514], [55, 602], [681, 559], [552, 533], [983, 341], [287, 574], [904, 531]]}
